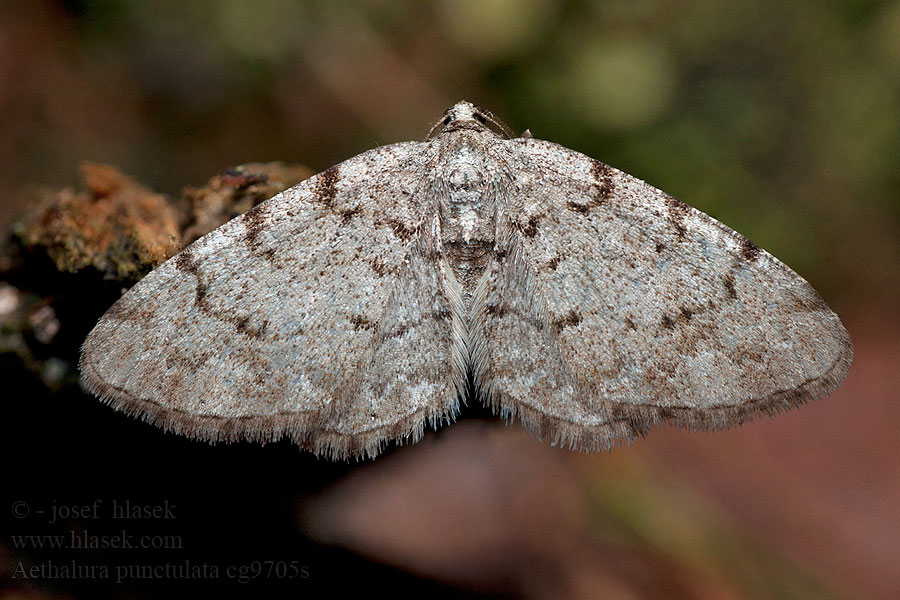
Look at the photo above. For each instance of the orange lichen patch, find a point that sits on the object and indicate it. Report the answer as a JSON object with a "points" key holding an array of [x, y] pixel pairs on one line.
{"points": [[124, 230], [234, 191], [117, 226]]}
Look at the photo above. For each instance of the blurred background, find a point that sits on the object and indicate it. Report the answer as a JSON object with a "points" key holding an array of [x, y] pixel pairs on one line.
{"points": [[780, 119]]}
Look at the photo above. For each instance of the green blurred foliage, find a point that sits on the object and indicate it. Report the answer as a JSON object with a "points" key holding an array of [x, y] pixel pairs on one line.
{"points": [[634, 511], [780, 119]]}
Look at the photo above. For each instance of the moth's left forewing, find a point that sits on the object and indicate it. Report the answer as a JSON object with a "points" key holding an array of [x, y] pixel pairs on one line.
{"points": [[659, 311], [302, 318]]}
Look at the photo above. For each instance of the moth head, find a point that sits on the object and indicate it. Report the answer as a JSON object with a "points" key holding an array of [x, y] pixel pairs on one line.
{"points": [[465, 115]]}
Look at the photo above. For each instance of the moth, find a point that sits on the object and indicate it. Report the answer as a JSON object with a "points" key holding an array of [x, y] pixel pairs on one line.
{"points": [[370, 300]]}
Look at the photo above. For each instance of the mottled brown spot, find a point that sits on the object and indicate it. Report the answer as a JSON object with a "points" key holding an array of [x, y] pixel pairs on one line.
{"points": [[677, 212], [400, 229], [579, 208], [749, 250], [686, 313], [378, 266], [660, 247], [728, 282], [530, 228], [570, 319], [495, 310], [602, 173], [185, 261], [254, 222], [361, 322], [326, 185], [554, 262], [348, 214], [242, 324], [202, 290], [600, 170], [630, 324], [603, 187], [403, 328], [667, 322]]}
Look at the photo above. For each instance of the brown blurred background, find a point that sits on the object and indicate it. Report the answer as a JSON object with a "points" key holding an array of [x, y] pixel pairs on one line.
{"points": [[780, 119]]}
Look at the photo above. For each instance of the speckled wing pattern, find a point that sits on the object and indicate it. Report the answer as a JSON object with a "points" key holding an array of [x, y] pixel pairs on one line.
{"points": [[364, 303], [630, 308], [320, 315]]}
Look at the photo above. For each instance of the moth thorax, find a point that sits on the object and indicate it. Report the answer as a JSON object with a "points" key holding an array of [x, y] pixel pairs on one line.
{"points": [[467, 225]]}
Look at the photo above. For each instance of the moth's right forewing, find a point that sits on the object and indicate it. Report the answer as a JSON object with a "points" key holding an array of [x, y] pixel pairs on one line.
{"points": [[659, 311]]}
